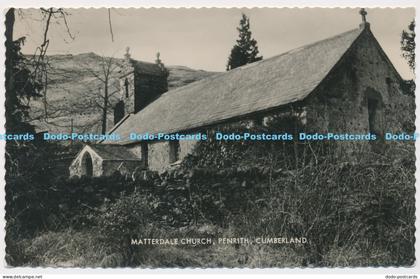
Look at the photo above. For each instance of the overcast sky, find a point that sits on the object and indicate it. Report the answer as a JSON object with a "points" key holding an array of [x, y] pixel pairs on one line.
{"points": [[202, 38]]}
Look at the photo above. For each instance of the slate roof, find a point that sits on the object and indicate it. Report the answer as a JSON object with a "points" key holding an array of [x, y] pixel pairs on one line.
{"points": [[113, 152], [259, 86], [147, 68]]}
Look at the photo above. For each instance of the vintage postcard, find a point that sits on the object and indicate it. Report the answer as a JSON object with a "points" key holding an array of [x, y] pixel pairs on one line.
{"points": [[209, 138]]}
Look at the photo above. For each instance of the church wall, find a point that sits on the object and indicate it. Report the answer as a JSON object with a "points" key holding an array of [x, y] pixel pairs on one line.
{"points": [[148, 88], [135, 149], [374, 72], [159, 154], [141, 90], [340, 104], [128, 100], [123, 167], [187, 147]]}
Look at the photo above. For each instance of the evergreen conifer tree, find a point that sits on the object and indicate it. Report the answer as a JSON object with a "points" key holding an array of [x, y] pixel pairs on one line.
{"points": [[408, 44], [246, 50]]}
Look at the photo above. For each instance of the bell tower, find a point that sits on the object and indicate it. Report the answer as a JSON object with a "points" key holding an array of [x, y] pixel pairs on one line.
{"points": [[125, 104], [140, 83]]}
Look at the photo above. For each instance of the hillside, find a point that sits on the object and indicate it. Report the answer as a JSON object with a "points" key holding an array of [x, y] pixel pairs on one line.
{"points": [[72, 92]]}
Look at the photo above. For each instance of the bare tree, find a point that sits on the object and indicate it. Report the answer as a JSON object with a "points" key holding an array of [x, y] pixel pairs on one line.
{"points": [[97, 96], [38, 62], [24, 81], [30, 72], [100, 97]]}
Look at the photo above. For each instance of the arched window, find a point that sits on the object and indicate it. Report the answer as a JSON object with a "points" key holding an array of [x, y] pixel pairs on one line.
{"points": [[375, 112], [87, 165]]}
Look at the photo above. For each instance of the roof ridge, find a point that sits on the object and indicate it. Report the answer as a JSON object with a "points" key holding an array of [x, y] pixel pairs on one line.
{"points": [[307, 45], [215, 76]]}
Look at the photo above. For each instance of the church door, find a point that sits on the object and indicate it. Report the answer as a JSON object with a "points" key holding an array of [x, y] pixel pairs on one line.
{"points": [[87, 165]]}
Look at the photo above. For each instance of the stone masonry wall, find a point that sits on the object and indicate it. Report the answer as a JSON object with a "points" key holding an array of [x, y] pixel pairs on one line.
{"points": [[148, 88], [159, 154], [340, 105], [186, 148], [128, 100], [123, 167]]}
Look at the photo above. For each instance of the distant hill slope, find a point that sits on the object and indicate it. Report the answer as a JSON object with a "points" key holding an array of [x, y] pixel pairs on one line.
{"points": [[71, 85]]}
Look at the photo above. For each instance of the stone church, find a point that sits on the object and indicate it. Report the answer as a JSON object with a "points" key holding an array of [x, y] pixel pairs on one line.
{"points": [[345, 83]]}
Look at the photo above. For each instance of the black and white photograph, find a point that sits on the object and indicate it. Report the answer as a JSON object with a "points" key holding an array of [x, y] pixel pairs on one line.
{"points": [[209, 137]]}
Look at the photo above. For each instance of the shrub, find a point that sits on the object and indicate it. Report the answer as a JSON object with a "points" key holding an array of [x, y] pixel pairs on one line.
{"points": [[364, 208]]}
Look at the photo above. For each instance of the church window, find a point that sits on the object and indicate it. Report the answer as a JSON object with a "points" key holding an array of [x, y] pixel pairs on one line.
{"points": [[145, 153], [375, 111], [373, 116], [126, 87], [174, 149]]}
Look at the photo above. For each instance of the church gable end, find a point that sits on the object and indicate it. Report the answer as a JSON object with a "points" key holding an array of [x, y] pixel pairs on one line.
{"points": [[377, 75], [361, 95], [87, 163]]}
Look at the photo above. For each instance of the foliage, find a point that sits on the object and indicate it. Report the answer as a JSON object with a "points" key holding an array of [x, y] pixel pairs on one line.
{"points": [[340, 206], [130, 215], [246, 50], [408, 44], [45, 203], [353, 214], [408, 87], [21, 84]]}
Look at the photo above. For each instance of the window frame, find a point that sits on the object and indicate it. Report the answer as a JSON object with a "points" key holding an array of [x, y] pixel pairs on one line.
{"points": [[174, 151]]}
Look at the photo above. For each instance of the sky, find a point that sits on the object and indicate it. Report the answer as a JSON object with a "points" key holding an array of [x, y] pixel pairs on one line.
{"points": [[202, 38]]}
